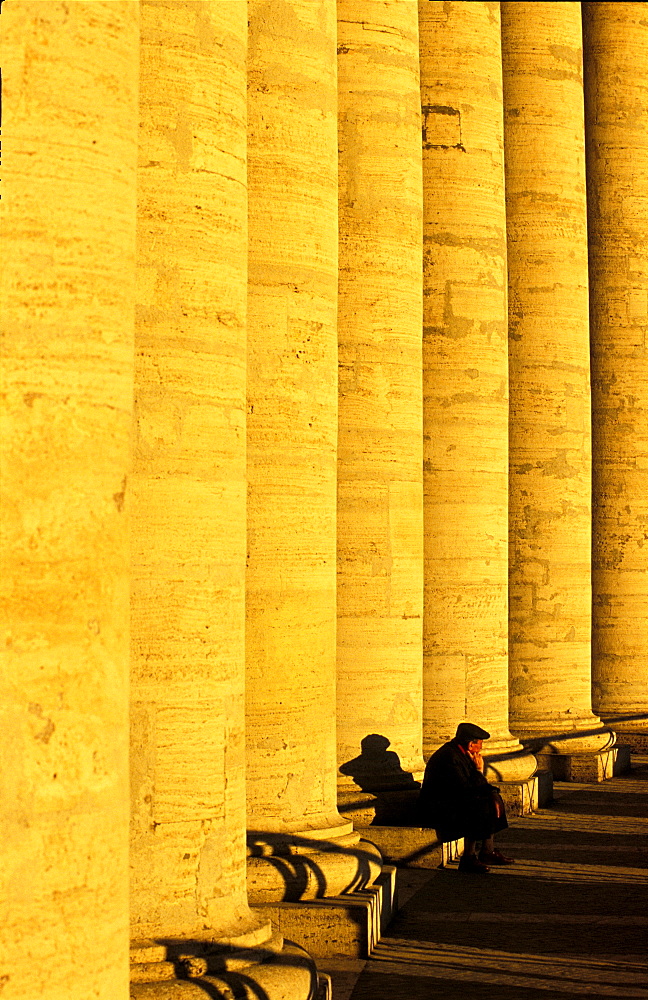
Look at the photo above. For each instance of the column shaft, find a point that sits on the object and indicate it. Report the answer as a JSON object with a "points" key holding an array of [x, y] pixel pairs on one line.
{"points": [[550, 453], [292, 416], [616, 66], [68, 189], [380, 462], [292, 432], [465, 375], [188, 811]]}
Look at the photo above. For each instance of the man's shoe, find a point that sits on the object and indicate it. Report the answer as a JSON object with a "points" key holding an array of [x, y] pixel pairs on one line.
{"points": [[495, 858], [472, 866]]}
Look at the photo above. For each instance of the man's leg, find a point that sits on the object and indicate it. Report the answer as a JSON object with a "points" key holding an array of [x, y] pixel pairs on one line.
{"points": [[470, 847], [489, 854], [469, 862]]}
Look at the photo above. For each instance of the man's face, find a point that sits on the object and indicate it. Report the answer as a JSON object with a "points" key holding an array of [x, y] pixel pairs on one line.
{"points": [[475, 746]]}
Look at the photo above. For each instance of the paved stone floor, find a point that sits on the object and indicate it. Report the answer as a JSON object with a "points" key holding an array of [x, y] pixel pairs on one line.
{"points": [[568, 919]]}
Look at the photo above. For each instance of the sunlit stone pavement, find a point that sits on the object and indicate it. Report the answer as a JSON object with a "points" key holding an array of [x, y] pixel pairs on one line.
{"points": [[569, 919]]}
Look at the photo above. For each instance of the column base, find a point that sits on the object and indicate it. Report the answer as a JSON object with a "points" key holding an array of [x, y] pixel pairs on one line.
{"points": [[507, 761], [348, 925], [298, 869], [281, 970], [586, 767], [554, 736]]}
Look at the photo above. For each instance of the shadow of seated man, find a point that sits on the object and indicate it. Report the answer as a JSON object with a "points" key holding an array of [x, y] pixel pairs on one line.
{"points": [[457, 801], [378, 769]]}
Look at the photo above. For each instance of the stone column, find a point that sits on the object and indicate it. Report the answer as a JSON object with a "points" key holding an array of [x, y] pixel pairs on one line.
{"points": [[188, 784], [616, 89], [465, 380], [550, 512], [380, 461], [292, 430], [68, 190]]}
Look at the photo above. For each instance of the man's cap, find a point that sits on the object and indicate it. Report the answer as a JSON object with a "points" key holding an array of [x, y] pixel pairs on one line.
{"points": [[468, 732]]}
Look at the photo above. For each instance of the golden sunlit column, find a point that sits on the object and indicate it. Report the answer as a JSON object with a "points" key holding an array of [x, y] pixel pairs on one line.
{"points": [[68, 190], [292, 430], [380, 462], [465, 380], [550, 513], [188, 751], [616, 89]]}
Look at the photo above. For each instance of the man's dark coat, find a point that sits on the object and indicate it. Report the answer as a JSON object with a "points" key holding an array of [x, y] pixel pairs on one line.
{"points": [[456, 800]]}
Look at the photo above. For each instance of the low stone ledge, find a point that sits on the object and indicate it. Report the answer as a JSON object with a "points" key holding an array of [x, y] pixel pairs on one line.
{"points": [[635, 740], [349, 925], [391, 807], [623, 758], [523, 797], [388, 881], [545, 795], [338, 925], [585, 767], [408, 846]]}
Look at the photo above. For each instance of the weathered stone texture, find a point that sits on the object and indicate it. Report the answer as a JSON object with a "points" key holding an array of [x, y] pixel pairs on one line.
{"points": [[465, 372], [68, 189], [550, 456], [616, 90], [380, 492], [188, 791], [292, 416], [256, 440]]}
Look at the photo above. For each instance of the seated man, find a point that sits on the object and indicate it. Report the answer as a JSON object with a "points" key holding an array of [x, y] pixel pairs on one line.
{"points": [[457, 800]]}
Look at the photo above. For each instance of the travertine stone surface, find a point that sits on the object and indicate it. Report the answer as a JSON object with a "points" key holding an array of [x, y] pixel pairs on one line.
{"points": [[380, 490], [549, 374], [292, 416], [68, 190], [616, 90], [465, 374], [188, 793]]}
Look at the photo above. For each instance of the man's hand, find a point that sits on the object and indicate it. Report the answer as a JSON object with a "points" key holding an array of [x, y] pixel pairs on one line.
{"points": [[474, 752]]}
